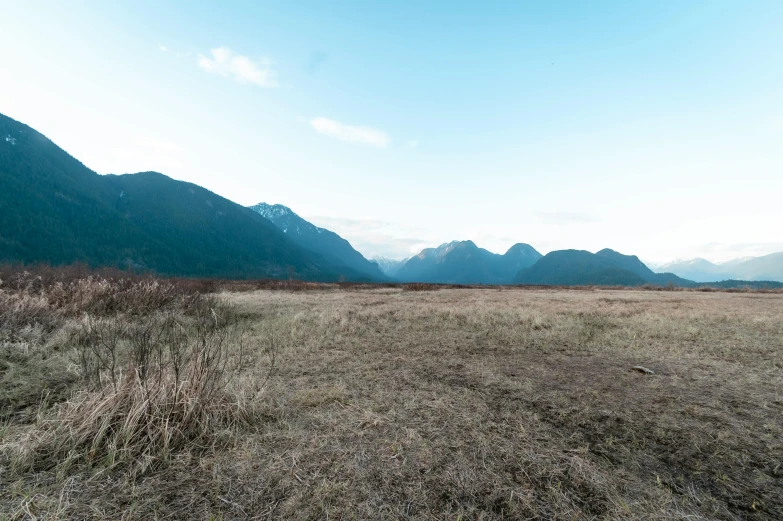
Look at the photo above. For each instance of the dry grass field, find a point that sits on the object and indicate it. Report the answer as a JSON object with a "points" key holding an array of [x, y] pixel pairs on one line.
{"points": [[390, 404]]}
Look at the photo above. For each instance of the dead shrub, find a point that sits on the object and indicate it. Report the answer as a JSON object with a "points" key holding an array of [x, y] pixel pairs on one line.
{"points": [[156, 386], [156, 359], [20, 311], [140, 423]]}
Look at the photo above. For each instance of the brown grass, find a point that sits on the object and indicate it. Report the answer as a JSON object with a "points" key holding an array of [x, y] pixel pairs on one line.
{"points": [[387, 403]]}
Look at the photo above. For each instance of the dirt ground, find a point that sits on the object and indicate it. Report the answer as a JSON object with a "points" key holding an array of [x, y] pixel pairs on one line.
{"points": [[474, 404]]}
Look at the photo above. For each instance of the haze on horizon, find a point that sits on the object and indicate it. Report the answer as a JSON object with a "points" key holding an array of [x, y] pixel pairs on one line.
{"points": [[652, 129]]}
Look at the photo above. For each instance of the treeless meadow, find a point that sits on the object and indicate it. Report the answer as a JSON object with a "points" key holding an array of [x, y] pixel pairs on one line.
{"points": [[150, 399]]}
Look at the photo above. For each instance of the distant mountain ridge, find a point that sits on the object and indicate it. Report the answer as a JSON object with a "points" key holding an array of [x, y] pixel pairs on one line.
{"points": [[634, 265], [764, 268], [328, 244], [389, 266], [604, 268], [462, 262]]}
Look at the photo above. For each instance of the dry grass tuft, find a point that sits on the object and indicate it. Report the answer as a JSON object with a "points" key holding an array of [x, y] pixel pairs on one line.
{"points": [[138, 424]]}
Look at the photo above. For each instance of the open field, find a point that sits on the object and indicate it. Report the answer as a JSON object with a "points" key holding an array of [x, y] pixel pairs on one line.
{"points": [[391, 404]]}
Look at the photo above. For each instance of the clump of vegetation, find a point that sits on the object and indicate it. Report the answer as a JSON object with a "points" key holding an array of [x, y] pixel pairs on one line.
{"points": [[154, 387], [143, 368]]}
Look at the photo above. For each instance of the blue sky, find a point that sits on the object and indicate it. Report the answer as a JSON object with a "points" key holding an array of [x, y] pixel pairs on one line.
{"points": [[654, 128]]}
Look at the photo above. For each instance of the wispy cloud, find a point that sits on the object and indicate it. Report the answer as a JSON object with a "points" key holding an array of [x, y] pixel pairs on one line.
{"points": [[350, 133], [413, 143], [223, 61]]}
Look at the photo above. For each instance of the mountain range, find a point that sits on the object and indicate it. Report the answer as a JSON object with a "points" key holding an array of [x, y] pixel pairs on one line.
{"points": [[768, 267], [53, 209], [331, 246], [606, 267], [462, 262], [390, 267]]}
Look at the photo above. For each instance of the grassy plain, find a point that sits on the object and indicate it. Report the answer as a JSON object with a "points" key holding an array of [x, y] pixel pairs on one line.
{"points": [[451, 404]]}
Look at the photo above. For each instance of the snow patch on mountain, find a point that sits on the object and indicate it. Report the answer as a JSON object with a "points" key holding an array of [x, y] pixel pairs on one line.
{"points": [[282, 215], [732, 262], [324, 242], [389, 267]]}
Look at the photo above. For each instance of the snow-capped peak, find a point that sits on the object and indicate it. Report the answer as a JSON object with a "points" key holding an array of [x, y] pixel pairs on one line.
{"points": [[272, 211], [738, 260], [389, 266], [285, 218]]}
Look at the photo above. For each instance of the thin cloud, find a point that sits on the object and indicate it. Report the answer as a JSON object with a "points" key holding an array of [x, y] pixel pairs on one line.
{"points": [[223, 61], [350, 133]]}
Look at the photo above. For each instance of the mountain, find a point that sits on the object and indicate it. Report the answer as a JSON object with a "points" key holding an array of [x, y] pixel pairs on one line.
{"points": [[698, 270], [604, 268], [328, 244], [734, 262], [634, 265], [765, 268], [54, 209], [577, 268], [654, 265], [389, 267], [462, 262], [517, 257]]}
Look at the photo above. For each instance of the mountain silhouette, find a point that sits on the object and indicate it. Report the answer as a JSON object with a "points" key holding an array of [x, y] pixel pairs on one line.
{"points": [[328, 244], [53, 209], [389, 267], [577, 268], [764, 268], [462, 262]]}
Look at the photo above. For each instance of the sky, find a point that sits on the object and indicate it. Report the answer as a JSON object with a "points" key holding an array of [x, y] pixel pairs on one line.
{"points": [[653, 128]]}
